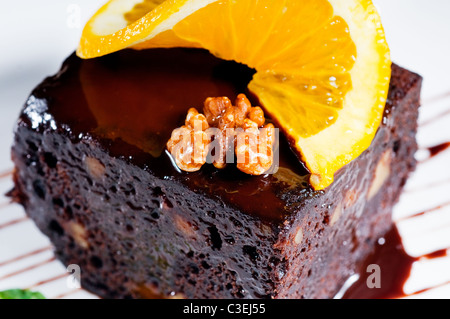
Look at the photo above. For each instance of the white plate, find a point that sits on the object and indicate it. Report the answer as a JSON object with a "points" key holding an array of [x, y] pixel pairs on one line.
{"points": [[38, 35]]}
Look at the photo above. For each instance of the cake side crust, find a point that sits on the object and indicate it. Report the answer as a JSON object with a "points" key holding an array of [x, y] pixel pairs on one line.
{"points": [[341, 227]]}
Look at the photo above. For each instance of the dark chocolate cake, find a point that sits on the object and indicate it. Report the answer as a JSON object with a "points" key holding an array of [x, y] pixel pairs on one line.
{"points": [[92, 172]]}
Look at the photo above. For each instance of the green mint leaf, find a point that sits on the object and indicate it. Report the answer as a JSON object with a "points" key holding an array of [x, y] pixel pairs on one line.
{"points": [[20, 294]]}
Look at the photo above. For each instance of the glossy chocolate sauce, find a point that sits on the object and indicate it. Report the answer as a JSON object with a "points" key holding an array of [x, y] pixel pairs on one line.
{"points": [[438, 149], [395, 265], [437, 254], [133, 100]]}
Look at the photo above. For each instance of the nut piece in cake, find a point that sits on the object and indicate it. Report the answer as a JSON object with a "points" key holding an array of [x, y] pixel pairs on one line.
{"points": [[222, 129]]}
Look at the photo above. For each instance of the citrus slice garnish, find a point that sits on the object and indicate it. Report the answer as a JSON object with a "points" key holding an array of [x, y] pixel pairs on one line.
{"points": [[323, 66]]}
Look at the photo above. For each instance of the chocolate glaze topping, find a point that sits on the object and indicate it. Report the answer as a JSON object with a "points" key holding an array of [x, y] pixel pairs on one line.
{"points": [[134, 109]]}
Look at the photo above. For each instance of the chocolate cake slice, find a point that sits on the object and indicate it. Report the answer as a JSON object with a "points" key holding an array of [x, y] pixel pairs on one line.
{"points": [[92, 172]]}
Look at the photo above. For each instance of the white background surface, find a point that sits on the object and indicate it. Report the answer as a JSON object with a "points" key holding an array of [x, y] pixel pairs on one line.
{"points": [[38, 35]]}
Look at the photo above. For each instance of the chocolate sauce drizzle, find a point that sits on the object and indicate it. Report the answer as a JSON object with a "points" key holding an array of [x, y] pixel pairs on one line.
{"points": [[23, 256], [6, 174], [66, 294], [437, 254], [435, 151], [427, 186], [395, 265], [46, 281], [14, 222], [438, 149], [428, 289], [21, 271], [434, 119], [437, 98], [432, 100], [34, 266], [430, 210]]}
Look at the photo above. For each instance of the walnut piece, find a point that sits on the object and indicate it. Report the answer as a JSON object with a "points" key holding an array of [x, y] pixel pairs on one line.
{"points": [[254, 149], [222, 114], [224, 127], [189, 143]]}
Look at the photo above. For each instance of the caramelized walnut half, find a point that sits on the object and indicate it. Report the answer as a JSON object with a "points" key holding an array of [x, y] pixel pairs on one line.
{"points": [[254, 148], [189, 143], [222, 114], [223, 128]]}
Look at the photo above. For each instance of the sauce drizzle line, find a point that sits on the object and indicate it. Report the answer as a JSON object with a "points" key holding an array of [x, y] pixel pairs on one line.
{"points": [[426, 187], [437, 98], [434, 119], [15, 273], [14, 222], [430, 210], [436, 150], [71, 292], [32, 253], [6, 173], [46, 281]]}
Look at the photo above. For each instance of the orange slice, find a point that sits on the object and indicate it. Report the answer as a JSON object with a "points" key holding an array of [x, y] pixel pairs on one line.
{"points": [[323, 66]]}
